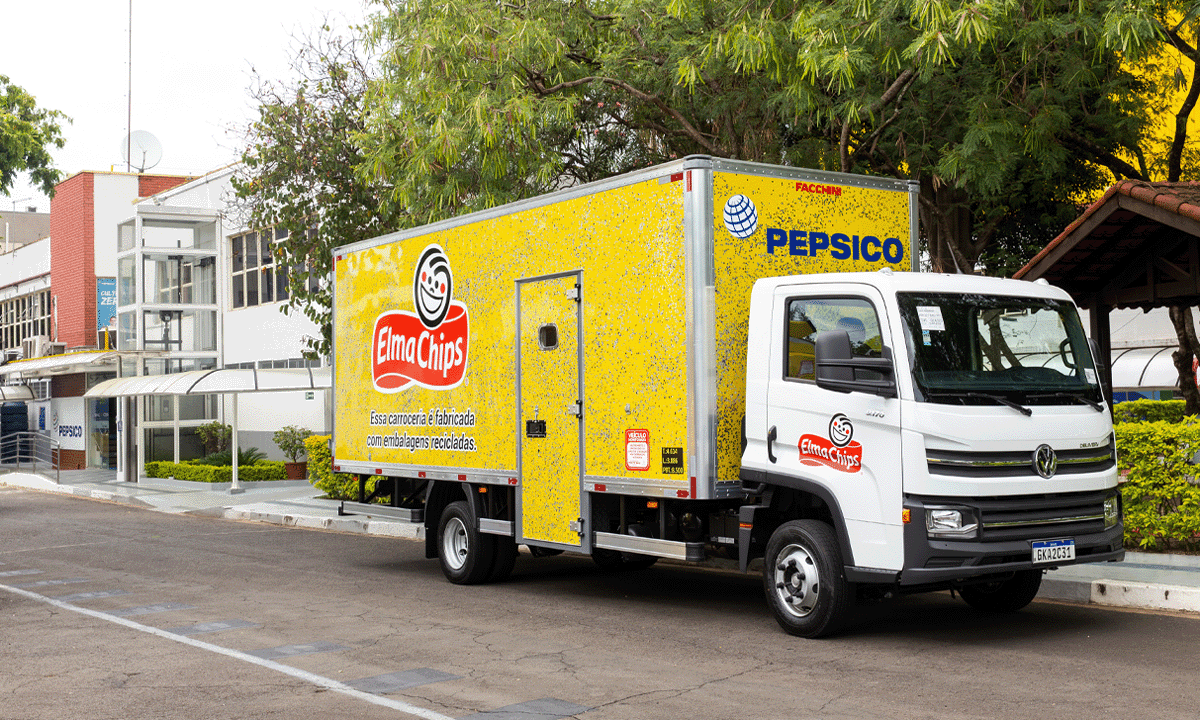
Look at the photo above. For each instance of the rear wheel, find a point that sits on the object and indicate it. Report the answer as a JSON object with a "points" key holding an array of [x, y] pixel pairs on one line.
{"points": [[1004, 596], [466, 554], [803, 579], [504, 560]]}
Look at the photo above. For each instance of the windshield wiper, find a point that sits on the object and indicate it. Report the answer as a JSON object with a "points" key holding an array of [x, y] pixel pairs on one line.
{"points": [[996, 398], [1086, 401]]}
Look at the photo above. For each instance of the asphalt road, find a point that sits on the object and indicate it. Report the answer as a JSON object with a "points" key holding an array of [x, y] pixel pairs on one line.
{"points": [[108, 611]]}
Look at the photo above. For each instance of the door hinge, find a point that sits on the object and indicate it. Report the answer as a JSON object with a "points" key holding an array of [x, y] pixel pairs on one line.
{"points": [[577, 527], [575, 293], [576, 409]]}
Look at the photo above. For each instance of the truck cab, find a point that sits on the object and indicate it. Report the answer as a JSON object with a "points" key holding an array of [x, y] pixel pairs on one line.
{"points": [[909, 432]]}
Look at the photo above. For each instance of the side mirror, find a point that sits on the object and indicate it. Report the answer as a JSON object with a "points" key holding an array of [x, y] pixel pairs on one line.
{"points": [[838, 369]]}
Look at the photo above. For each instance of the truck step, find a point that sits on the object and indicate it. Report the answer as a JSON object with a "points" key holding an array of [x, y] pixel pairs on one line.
{"points": [[673, 549]]}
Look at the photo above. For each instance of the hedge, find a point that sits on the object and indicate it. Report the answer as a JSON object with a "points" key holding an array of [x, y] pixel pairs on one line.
{"points": [[1160, 495], [261, 471], [338, 486], [1148, 411]]}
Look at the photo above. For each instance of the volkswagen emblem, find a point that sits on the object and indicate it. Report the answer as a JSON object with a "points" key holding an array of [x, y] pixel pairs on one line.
{"points": [[1045, 462]]}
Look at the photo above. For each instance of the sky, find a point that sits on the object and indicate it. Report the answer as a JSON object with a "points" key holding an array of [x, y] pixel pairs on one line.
{"points": [[193, 65]]}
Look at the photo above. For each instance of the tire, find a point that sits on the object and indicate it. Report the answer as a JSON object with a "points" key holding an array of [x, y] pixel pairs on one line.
{"points": [[505, 559], [617, 561], [1004, 596], [804, 581], [466, 555]]}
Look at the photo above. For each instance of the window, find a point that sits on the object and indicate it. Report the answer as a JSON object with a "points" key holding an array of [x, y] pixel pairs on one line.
{"points": [[257, 277], [24, 316], [809, 316]]}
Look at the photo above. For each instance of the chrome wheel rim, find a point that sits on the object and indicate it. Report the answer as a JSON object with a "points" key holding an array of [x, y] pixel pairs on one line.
{"points": [[454, 544], [797, 581]]}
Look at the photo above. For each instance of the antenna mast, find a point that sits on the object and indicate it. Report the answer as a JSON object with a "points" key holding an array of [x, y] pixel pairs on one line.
{"points": [[129, 97]]}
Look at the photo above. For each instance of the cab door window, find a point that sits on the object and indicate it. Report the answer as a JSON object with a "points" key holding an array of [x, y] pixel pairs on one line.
{"points": [[808, 316]]}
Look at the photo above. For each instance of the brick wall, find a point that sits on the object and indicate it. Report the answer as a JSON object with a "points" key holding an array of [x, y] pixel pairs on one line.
{"points": [[154, 184], [72, 258], [72, 459]]}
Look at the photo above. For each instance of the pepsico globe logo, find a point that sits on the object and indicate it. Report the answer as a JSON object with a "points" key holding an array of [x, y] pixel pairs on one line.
{"points": [[741, 217], [427, 348]]}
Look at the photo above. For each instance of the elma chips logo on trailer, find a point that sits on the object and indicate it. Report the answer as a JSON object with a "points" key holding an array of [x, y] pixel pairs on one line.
{"points": [[427, 348], [838, 451]]}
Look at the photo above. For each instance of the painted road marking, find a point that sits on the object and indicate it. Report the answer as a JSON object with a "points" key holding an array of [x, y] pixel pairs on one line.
{"points": [[15, 573], [391, 682], [312, 678], [287, 651], [147, 609], [45, 583], [95, 595], [544, 709], [211, 627]]}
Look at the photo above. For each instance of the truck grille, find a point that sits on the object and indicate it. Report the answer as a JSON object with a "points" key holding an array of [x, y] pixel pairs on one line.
{"points": [[1033, 517], [1018, 464]]}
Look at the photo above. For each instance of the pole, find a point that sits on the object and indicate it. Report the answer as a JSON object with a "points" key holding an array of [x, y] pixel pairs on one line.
{"points": [[235, 487]]}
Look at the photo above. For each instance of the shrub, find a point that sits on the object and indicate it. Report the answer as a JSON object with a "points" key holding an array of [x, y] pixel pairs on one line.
{"points": [[262, 471], [339, 486], [290, 440], [214, 436], [1148, 411], [246, 457], [1160, 495]]}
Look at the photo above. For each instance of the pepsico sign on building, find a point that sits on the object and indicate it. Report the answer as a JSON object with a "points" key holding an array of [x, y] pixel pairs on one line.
{"points": [[428, 348]]}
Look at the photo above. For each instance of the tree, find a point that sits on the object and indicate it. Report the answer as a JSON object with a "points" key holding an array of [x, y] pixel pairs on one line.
{"points": [[1001, 109], [27, 133], [299, 172]]}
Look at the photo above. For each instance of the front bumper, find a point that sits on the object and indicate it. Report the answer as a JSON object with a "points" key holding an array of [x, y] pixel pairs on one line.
{"points": [[1004, 544]]}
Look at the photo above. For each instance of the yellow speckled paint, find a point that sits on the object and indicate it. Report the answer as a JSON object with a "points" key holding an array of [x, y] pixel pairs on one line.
{"points": [[549, 385], [786, 205], [628, 243]]}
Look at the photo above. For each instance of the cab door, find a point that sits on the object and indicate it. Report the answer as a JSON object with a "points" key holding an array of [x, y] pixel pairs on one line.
{"points": [[845, 445], [550, 410]]}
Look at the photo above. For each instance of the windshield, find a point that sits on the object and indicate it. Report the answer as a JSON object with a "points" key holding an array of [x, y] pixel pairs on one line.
{"points": [[984, 349]]}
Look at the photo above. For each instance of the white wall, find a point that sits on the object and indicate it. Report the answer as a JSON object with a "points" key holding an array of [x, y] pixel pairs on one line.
{"points": [[113, 203], [25, 269]]}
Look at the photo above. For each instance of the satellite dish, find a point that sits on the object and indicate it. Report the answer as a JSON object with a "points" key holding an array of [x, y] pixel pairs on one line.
{"points": [[141, 150]]}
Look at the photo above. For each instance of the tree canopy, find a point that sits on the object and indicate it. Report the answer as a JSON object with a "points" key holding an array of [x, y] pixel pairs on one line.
{"points": [[27, 134], [1010, 113]]}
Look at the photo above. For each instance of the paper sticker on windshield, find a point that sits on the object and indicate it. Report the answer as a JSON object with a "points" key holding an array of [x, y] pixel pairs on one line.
{"points": [[930, 317], [1090, 374]]}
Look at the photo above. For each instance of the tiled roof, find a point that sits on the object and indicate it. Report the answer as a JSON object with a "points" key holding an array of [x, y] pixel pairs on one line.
{"points": [[1181, 198]]}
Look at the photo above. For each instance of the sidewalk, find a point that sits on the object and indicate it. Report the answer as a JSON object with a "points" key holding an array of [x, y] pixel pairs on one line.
{"points": [[1143, 580]]}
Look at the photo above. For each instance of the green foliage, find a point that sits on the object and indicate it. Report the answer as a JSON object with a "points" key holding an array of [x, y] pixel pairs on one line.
{"points": [[1135, 411], [299, 173], [215, 436], [262, 471], [27, 135], [1160, 495], [246, 457], [290, 440], [339, 486]]}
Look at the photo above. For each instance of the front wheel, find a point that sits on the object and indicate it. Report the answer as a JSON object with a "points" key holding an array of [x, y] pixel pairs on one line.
{"points": [[1004, 596], [465, 553], [803, 579]]}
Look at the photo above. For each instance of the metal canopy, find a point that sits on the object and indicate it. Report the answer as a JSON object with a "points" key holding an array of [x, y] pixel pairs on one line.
{"points": [[15, 392], [213, 382], [63, 364]]}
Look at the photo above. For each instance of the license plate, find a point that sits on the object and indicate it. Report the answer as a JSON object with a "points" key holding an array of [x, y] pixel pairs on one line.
{"points": [[1049, 551]]}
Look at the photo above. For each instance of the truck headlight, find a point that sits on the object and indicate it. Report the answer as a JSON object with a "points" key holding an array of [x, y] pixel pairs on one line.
{"points": [[951, 522], [1112, 510]]}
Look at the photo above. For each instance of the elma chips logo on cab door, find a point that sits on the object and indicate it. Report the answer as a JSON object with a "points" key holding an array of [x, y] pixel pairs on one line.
{"points": [[838, 451], [427, 348]]}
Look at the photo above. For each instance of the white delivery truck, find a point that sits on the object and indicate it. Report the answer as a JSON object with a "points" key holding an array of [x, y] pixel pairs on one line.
{"points": [[719, 357]]}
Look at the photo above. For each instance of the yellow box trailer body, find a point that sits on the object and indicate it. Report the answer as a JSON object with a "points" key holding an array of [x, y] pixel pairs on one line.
{"points": [[588, 341]]}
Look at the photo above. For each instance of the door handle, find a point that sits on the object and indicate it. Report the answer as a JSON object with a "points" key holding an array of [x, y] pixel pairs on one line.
{"points": [[771, 435]]}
